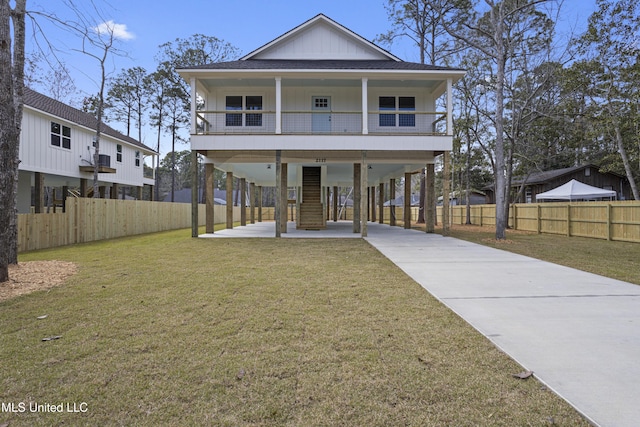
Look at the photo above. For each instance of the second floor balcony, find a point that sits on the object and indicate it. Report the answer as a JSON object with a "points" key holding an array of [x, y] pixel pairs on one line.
{"points": [[258, 122]]}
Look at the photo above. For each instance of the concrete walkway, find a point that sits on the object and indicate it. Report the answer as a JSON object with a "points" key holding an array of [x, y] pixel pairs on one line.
{"points": [[578, 332]]}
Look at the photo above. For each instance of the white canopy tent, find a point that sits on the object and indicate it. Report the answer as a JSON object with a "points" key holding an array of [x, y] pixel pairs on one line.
{"points": [[576, 190]]}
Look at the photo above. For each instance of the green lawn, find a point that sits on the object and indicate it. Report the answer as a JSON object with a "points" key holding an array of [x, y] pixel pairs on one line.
{"points": [[164, 329], [618, 260]]}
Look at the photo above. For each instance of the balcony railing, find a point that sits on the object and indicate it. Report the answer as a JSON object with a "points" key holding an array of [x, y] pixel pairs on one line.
{"points": [[319, 123]]}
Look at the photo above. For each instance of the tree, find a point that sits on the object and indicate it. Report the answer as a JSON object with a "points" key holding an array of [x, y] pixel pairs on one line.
{"points": [[12, 60], [98, 42], [500, 32], [158, 84], [421, 22], [177, 116], [611, 52], [127, 97], [196, 50]]}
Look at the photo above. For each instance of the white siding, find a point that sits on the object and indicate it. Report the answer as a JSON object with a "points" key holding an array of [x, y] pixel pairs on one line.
{"points": [[38, 155], [343, 98], [321, 41]]}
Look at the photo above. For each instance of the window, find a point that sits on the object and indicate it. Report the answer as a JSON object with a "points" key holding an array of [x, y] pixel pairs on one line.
{"points": [[403, 103], [137, 162], [234, 103], [60, 135], [407, 103], [254, 103], [119, 153], [387, 103], [243, 103]]}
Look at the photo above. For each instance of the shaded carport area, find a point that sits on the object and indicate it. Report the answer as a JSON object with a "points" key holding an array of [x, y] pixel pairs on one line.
{"points": [[373, 175]]}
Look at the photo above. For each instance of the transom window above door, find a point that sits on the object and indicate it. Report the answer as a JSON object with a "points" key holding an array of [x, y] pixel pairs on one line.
{"points": [[321, 102]]}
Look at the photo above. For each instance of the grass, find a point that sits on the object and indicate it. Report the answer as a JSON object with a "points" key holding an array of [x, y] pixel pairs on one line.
{"points": [[164, 329], [618, 260]]}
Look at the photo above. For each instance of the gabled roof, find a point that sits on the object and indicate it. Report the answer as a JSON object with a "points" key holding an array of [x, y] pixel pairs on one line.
{"points": [[291, 64], [545, 176], [320, 18], [43, 103]]}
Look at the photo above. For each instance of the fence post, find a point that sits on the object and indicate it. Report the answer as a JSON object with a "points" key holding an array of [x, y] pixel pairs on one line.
{"points": [[539, 218], [480, 215], [609, 221], [568, 220]]}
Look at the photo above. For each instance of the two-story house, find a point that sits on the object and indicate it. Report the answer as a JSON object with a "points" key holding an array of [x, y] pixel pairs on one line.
{"points": [[316, 108], [57, 144]]}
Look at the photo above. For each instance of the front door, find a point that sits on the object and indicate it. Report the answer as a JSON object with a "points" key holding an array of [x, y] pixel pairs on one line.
{"points": [[321, 120]]}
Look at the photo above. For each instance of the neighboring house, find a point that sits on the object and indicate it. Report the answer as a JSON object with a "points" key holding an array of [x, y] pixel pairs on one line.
{"points": [[589, 174], [327, 109], [184, 196], [460, 198], [56, 152]]}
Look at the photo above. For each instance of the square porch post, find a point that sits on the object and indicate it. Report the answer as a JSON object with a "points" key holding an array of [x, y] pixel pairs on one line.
{"points": [[430, 199], [229, 195], [195, 223], [243, 201], [364, 201], [357, 194], [407, 200], [252, 202], [210, 211], [259, 203], [276, 215], [392, 202], [284, 196], [335, 203], [374, 206], [381, 203], [39, 192]]}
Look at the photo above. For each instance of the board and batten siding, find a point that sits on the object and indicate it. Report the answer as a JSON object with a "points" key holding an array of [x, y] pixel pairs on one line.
{"points": [[38, 155], [320, 41]]}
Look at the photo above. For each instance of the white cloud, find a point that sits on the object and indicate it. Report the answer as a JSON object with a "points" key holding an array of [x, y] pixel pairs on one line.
{"points": [[119, 31]]}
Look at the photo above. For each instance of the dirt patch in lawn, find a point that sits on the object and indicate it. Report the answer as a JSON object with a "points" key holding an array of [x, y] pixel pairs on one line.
{"points": [[31, 276]]}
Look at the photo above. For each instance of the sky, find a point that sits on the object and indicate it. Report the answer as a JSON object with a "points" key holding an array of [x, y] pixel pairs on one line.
{"points": [[246, 24]]}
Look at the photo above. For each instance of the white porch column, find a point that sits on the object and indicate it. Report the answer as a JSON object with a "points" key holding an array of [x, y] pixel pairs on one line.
{"points": [[278, 105], [365, 106], [193, 105], [449, 107]]}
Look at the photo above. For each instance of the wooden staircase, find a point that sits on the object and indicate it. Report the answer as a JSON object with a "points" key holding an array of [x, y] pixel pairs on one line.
{"points": [[311, 209]]}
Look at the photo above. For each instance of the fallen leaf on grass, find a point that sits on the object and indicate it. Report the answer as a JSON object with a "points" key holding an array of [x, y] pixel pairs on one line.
{"points": [[240, 374], [40, 318], [523, 375]]}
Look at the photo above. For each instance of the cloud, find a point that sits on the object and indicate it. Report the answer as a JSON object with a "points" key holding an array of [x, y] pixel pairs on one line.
{"points": [[119, 31]]}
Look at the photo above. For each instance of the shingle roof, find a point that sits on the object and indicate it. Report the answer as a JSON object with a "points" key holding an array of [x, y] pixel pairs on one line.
{"points": [[544, 176], [60, 109], [331, 64]]}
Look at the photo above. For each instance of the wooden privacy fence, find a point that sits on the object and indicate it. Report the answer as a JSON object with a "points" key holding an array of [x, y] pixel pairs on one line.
{"points": [[600, 220], [87, 220]]}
